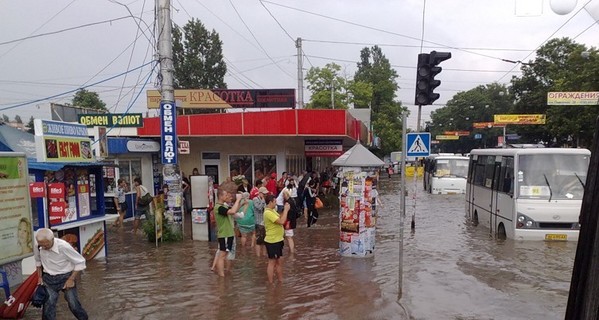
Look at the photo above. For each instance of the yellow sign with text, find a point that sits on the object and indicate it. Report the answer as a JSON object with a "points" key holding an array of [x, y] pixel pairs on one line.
{"points": [[519, 119], [190, 99], [446, 137]]}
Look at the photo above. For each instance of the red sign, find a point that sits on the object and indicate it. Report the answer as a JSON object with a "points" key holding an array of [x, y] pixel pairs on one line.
{"points": [[484, 125], [56, 190], [57, 211], [37, 190]]}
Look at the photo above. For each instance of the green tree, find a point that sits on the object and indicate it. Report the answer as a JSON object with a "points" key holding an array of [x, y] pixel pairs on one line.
{"points": [[5, 118], [558, 66], [89, 100], [346, 92], [18, 119], [198, 59], [374, 69], [479, 104], [31, 126]]}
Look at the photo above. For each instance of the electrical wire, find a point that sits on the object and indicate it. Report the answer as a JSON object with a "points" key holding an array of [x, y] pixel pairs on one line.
{"points": [[258, 42], [277, 21], [73, 90], [408, 46], [542, 43]]}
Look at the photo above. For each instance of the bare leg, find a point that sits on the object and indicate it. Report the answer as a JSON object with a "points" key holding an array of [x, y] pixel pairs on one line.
{"points": [[135, 225], [215, 260], [270, 270], [220, 263], [279, 269], [243, 239], [291, 244]]}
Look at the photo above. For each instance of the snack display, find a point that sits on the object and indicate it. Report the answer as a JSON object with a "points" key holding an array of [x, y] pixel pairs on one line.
{"points": [[94, 245]]}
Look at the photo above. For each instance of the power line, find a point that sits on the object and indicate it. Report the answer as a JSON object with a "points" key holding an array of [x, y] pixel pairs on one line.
{"points": [[258, 42], [533, 51], [277, 21], [408, 46], [74, 90]]}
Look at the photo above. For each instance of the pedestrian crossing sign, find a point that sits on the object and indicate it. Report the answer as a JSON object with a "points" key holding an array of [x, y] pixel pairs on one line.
{"points": [[418, 144]]}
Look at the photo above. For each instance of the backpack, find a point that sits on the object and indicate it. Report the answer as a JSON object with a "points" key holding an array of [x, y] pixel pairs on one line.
{"points": [[145, 199]]}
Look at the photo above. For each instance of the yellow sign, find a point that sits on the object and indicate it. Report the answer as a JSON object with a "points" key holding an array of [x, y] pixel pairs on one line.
{"points": [[446, 137], [191, 99], [573, 98], [519, 119]]}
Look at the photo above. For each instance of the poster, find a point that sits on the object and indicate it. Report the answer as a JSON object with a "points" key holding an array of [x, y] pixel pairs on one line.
{"points": [[357, 211], [16, 231], [83, 191]]}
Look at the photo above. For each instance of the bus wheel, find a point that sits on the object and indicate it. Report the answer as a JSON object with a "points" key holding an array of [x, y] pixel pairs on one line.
{"points": [[501, 232], [475, 219]]}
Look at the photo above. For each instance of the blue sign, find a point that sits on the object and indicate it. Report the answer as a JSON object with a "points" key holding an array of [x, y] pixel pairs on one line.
{"points": [[168, 132], [478, 136], [418, 144]]}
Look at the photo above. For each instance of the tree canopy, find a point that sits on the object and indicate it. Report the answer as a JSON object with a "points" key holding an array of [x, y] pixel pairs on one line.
{"points": [[89, 100], [198, 59]]}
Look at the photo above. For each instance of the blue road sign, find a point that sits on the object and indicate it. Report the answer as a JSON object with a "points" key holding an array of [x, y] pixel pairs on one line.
{"points": [[418, 144]]}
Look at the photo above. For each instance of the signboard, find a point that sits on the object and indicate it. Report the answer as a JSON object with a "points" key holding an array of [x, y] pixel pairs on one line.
{"points": [[119, 120], [168, 138], [16, 231], [457, 133], [100, 144], [323, 148], [486, 125], [447, 137], [227, 98], [418, 144], [183, 147], [37, 190], [61, 142], [520, 118], [573, 98], [57, 212], [143, 146]]}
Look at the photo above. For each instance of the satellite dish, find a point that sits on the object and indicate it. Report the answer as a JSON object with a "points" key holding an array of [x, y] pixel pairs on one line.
{"points": [[562, 7]]}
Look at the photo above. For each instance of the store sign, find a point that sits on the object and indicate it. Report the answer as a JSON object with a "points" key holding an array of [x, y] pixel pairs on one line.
{"points": [[446, 137], [323, 148], [57, 211], [486, 125], [56, 190], [227, 98], [61, 142], [168, 137], [520, 118], [457, 133], [573, 98], [37, 190], [183, 147], [143, 146], [119, 120]]}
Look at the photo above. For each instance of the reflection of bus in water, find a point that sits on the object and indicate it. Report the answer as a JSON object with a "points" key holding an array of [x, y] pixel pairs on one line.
{"points": [[527, 194], [395, 159], [445, 174]]}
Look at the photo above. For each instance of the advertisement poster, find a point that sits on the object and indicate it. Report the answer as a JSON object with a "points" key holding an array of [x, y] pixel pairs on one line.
{"points": [[357, 212], [83, 191], [16, 231]]}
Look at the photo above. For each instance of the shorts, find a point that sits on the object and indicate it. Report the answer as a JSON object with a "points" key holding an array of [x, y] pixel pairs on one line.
{"points": [[139, 211], [274, 250], [260, 234], [289, 233], [225, 244], [123, 206]]}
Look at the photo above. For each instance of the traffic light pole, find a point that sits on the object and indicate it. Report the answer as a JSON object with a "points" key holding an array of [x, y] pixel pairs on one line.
{"points": [[419, 115]]}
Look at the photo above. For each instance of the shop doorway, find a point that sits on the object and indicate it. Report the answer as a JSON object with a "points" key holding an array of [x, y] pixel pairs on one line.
{"points": [[211, 170]]}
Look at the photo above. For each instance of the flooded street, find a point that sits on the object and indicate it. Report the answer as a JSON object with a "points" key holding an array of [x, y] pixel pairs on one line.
{"points": [[452, 270]]}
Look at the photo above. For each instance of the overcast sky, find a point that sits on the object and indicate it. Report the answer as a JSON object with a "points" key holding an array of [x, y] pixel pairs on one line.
{"points": [[40, 58]]}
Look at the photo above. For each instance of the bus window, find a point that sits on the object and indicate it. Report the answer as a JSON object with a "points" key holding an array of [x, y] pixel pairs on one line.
{"points": [[506, 176], [554, 176], [489, 171], [479, 171]]}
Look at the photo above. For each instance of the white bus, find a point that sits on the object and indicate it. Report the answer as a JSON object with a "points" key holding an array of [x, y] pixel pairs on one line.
{"points": [[527, 194], [445, 174]]}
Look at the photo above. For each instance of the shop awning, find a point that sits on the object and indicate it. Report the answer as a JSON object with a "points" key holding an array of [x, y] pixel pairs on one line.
{"points": [[55, 166]]}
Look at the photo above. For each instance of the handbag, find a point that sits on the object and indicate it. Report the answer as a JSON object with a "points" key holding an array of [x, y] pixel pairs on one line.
{"points": [[40, 296], [318, 203]]}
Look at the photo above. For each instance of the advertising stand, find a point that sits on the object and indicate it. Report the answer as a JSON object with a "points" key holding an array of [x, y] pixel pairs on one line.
{"points": [[357, 201], [201, 203], [73, 184]]}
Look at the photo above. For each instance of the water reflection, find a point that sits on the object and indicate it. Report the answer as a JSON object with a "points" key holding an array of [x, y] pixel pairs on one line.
{"points": [[453, 270]]}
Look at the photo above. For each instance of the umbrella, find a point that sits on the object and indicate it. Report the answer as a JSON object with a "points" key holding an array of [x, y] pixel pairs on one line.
{"points": [[14, 307]]}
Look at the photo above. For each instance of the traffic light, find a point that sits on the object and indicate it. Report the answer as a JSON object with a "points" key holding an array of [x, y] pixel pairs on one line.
{"points": [[426, 71]]}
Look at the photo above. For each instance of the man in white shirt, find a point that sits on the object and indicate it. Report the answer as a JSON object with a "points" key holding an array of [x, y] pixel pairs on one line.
{"points": [[58, 265]]}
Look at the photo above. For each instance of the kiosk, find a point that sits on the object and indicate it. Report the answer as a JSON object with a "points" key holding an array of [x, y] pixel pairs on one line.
{"points": [[359, 175]]}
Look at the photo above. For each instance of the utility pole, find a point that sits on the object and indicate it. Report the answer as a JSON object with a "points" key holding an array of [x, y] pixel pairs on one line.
{"points": [[168, 116], [300, 74]]}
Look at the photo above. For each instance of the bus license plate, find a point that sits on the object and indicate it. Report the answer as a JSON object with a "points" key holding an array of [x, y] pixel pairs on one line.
{"points": [[556, 237]]}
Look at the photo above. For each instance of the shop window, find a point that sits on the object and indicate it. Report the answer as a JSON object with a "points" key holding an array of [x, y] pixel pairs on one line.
{"points": [[210, 156], [264, 165], [240, 165], [296, 164], [129, 170]]}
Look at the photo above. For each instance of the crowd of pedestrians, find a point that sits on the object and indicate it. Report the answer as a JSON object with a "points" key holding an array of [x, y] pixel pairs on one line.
{"points": [[264, 216]]}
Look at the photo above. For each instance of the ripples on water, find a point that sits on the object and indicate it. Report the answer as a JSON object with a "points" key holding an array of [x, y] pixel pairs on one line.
{"points": [[452, 270]]}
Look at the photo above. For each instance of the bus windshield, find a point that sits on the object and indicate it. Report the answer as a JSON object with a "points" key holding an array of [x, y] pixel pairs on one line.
{"points": [[552, 176], [454, 168]]}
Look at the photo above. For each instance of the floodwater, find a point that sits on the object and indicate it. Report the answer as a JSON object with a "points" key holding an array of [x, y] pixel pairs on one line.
{"points": [[452, 270]]}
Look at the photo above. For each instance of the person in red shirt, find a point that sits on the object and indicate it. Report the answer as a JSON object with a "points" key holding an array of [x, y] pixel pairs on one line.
{"points": [[282, 183], [271, 184], [256, 189]]}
